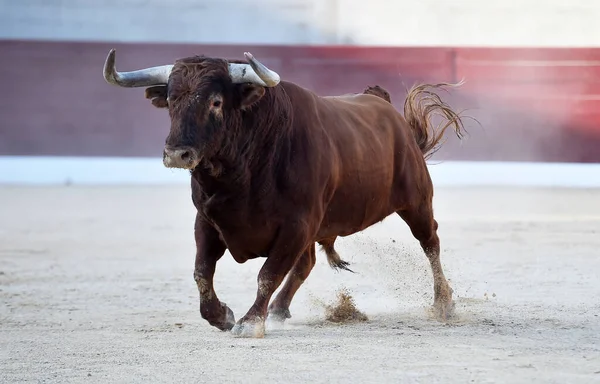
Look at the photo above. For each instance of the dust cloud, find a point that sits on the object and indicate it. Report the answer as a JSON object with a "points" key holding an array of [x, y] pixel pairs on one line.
{"points": [[344, 310]]}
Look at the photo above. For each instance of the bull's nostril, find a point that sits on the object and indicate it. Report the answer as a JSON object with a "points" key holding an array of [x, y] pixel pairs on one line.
{"points": [[186, 156]]}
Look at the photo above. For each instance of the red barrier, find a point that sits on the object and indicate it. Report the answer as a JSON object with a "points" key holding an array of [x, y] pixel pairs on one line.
{"points": [[533, 104]]}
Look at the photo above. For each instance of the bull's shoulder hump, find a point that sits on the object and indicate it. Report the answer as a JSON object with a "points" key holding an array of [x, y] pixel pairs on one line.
{"points": [[359, 99]]}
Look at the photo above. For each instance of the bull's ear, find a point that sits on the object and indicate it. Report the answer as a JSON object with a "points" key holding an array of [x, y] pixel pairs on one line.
{"points": [[158, 96], [251, 93]]}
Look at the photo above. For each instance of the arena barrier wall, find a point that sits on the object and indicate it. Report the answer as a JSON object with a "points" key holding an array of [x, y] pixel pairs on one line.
{"points": [[531, 105]]}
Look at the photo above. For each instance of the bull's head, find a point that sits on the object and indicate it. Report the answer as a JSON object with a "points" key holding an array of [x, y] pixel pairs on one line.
{"points": [[201, 95]]}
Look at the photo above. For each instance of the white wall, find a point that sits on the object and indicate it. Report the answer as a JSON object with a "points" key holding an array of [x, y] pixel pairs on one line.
{"points": [[131, 171], [473, 22], [372, 22]]}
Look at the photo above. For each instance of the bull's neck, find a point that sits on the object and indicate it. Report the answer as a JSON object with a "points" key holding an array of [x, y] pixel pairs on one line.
{"points": [[241, 160]]}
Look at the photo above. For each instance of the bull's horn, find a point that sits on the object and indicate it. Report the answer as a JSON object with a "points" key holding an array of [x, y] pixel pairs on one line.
{"points": [[255, 72], [140, 78], [268, 76]]}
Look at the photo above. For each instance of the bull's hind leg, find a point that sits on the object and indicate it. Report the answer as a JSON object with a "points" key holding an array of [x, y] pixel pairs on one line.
{"points": [[279, 310], [424, 228]]}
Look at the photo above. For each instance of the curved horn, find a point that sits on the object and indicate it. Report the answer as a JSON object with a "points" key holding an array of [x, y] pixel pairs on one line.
{"points": [[140, 78], [271, 78], [255, 72]]}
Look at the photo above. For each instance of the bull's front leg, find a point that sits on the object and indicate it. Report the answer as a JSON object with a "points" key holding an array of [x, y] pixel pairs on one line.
{"points": [[209, 249], [290, 243], [279, 309]]}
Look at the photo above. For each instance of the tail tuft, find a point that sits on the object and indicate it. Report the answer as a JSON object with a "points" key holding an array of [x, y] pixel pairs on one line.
{"points": [[420, 105], [333, 258]]}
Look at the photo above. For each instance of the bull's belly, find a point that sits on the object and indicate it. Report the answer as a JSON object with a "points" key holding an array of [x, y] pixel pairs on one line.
{"points": [[344, 218], [246, 242]]}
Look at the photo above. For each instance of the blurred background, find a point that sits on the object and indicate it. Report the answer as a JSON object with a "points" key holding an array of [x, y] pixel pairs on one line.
{"points": [[532, 68], [96, 282]]}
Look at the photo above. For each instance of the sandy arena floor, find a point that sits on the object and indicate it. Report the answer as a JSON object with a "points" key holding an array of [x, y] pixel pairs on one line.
{"points": [[96, 286]]}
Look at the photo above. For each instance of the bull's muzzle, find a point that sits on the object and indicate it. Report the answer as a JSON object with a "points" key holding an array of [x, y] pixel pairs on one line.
{"points": [[180, 157]]}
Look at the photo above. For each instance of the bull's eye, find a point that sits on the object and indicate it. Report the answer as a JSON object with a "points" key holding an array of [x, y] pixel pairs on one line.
{"points": [[216, 103]]}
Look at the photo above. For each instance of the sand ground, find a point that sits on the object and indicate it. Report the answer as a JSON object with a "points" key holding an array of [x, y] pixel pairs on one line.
{"points": [[96, 286]]}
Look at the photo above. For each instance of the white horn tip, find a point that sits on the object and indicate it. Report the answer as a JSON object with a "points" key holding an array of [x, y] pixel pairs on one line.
{"points": [[111, 54], [249, 56], [109, 67]]}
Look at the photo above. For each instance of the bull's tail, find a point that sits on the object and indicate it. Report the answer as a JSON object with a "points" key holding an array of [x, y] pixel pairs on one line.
{"points": [[333, 258], [420, 105]]}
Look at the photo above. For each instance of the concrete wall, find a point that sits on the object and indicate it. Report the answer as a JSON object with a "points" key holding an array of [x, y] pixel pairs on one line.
{"points": [[375, 22], [60, 105]]}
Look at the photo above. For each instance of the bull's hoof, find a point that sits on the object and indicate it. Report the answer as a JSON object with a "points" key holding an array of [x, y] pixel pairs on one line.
{"points": [[277, 318], [226, 321], [279, 315], [252, 328], [229, 318], [444, 311]]}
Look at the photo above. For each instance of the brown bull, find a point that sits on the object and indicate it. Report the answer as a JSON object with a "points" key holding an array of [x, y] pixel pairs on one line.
{"points": [[276, 168]]}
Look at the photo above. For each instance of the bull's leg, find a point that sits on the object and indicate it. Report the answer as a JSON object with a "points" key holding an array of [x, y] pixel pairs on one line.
{"points": [[289, 245], [424, 228], [209, 249], [279, 310]]}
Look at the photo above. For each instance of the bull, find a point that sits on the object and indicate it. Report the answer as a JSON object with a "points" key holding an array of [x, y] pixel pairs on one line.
{"points": [[276, 169]]}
